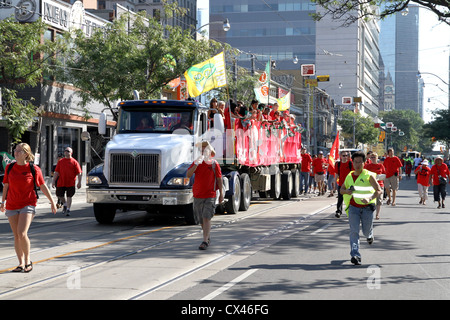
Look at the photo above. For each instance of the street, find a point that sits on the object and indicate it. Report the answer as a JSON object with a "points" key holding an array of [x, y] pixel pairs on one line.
{"points": [[277, 250]]}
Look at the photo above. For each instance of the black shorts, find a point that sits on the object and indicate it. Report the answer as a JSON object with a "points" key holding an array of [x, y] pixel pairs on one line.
{"points": [[60, 191]]}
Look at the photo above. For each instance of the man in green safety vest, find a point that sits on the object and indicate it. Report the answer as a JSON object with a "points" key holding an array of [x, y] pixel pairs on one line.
{"points": [[360, 191]]}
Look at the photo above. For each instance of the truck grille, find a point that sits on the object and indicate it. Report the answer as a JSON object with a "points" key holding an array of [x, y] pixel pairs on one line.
{"points": [[141, 169]]}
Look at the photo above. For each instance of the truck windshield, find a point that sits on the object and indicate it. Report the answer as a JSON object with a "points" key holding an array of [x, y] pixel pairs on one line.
{"points": [[167, 120]]}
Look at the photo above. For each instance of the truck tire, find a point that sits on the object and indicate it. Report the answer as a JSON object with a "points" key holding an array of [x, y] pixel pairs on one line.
{"points": [[189, 215], [296, 184], [286, 184], [275, 185], [246, 192], [104, 213], [234, 201]]}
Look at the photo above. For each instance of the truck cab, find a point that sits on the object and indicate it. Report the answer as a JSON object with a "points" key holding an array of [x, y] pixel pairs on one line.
{"points": [[146, 161]]}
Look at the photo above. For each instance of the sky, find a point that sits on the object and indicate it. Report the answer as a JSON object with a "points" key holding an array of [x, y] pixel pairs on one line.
{"points": [[434, 47]]}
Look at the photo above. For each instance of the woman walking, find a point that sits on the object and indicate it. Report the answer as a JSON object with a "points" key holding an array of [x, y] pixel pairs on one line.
{"points": [[440, 176], [19, 199]]}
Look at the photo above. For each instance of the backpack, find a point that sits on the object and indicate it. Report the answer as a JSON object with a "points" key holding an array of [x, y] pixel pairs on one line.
{"points": [[33, 173]]}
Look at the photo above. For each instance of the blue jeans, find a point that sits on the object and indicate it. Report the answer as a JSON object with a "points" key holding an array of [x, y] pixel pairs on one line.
{"points": [[304, 180], [357, 216]]}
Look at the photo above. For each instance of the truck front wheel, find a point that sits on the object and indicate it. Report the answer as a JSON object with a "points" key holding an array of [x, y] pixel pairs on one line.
{"points": [[189, 215], [104, 213]]}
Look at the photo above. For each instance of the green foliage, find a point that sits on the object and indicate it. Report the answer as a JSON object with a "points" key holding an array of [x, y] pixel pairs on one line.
{"points": [[439, 128], [20, 114], [22, 63], [142, 56], [411, 124], [364, 130]]}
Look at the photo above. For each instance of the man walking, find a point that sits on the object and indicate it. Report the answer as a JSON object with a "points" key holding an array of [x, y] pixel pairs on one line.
{"points": [[208, 179], [66, 172], [343, 168], [305, 170], [393, 166], [320, 170], [360, 191]]}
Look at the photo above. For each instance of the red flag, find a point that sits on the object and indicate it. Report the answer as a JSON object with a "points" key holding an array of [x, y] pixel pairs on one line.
{"points": [[334, 152]]}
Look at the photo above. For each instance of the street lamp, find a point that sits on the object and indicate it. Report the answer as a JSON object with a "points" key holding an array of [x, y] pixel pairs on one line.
{"points": [[225, 25], [419, 75]]}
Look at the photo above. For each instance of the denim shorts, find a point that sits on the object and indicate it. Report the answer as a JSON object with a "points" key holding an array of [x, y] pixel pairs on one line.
{"points": [[26, 209]]}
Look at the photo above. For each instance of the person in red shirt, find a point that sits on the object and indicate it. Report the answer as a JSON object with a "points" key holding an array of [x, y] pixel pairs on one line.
{"points": [[439, 169], [208, 179], [423, 180], [379, 169], [320, 170], [393, 167], [21, 199], [66, 172], [304, 171], [343, 168]]}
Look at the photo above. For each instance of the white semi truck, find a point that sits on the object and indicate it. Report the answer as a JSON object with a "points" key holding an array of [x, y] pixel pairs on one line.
{"points": [[156, 141]]}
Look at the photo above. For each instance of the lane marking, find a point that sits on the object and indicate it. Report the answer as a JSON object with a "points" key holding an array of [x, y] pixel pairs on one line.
{"points": [[323, 228], [229, 285], [95, 247]]}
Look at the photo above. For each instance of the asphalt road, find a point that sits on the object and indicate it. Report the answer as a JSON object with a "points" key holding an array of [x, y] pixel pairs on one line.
{"points": [[277, 250]]}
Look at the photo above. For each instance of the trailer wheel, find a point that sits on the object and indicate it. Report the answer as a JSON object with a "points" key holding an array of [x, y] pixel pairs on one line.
{"points": [[104, 213], [275, 185], [189, 215], [286, 184], [246, 192], [234, 201], [296, 184]]}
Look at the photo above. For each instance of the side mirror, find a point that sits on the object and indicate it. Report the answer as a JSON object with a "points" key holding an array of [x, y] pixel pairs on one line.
{"points": [[102, 124]]}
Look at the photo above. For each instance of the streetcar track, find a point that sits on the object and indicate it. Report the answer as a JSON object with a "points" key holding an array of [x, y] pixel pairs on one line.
{"points": [[155, 245]]}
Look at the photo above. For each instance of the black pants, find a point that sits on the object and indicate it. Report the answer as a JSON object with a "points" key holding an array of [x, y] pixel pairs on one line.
{"points": [[340, 200], [439, 190]]}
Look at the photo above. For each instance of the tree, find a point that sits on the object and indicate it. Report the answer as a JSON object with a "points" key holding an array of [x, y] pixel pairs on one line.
{"points": [[365, 132], [349, 11], [145, 56], [439, 128], [409, 122], [23, 60]]}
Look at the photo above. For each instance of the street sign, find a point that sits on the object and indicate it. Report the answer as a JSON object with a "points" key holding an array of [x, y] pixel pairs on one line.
{"points": [[347, 100], [389, 125], [308, 70], [393, 129], [323, 78], [311, 82]]}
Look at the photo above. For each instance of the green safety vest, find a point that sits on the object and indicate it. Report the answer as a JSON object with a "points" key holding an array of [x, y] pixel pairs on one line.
{"points": [[363, 188]]}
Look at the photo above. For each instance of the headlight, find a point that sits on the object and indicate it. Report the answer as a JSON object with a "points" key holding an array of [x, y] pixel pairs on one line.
{"points": [[179, 181], [94, 180]]}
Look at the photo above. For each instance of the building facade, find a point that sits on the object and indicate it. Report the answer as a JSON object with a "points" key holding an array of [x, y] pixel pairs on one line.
{"points": [[63, 122]]}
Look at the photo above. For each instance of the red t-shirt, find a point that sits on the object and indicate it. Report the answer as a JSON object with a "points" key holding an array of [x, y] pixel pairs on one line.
{"points": [[205, 181], [318, 165], [344, 170], [423, 175], [306, 162], [68, 170], [439, 170], [378, 168], [392, 164], [21, 186]]}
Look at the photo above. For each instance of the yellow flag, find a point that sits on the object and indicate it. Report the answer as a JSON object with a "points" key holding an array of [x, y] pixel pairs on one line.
{"points": [[285, 102], [207, 75]]}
